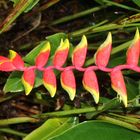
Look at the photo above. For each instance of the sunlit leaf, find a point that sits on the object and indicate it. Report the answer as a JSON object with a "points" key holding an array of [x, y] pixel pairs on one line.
{"points": [[51, 128]]}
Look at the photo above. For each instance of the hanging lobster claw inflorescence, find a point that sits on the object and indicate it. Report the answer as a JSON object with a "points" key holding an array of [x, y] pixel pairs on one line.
{"points": [[67, 78]]}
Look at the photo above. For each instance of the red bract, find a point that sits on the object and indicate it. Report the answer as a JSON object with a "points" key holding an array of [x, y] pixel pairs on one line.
{"points": [[3, 59], [43, 55], [49, 81], [68, 83], [134, 50], [118, 85], [28, 80], [90, 83], [79, 53], [6, 64], [61, 53], [103, 53], [16, 60]]}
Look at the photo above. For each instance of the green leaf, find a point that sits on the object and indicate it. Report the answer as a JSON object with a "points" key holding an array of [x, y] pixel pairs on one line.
{"points": [[137, 2], [98, 130], [117, 61], [51, 128], [132, 88], [54, 41], [14, 83]]}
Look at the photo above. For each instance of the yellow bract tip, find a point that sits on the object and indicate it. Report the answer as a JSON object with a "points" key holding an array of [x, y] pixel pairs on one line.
{"points": [[46, 47], [137, 36], [69, 90], [63, 45], [123, 97], [50, 88], [108, 40], [93, 92], [27, 86], [12, 54], [83, 43]]}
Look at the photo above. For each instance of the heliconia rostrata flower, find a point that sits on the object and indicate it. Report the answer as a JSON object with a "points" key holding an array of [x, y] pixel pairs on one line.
{"points": [[118, 85], [133, 51], [68, 83], [16, 59], [103, 53], [28, 80], [49, 81], [67, 78], [90, 83], [43, 55], [61, 53], [6, 64], [79, 53]]}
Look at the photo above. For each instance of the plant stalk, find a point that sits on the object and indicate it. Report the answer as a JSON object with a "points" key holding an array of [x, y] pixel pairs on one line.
{"points": [[77, 15], [118, 122], [14, 132], [121, 5], [17, 120]]}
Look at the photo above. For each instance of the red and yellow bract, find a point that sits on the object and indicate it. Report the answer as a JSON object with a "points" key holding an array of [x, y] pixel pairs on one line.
{"points": [[79, 53], [103, 53], [118, 85], [61, 53], [16, 60], [28, 80], [43, 55], [68, 83], [133, 51], [49, 81], [6, 64], [90, 83]]}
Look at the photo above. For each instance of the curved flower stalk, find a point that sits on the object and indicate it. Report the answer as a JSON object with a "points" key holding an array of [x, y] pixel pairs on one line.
{"points": [[67, 78]]}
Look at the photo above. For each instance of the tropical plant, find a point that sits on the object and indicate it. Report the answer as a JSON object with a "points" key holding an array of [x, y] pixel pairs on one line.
{"points": [[72, 78]]}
